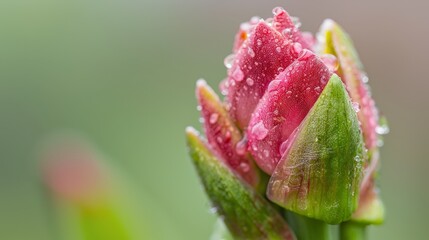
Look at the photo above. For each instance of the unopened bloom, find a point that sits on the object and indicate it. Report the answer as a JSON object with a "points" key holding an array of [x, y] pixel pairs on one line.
{"points": [[298, 109]]}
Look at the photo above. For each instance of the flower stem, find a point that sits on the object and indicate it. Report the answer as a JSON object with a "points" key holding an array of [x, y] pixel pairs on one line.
{"points": [[307, 228], [352, 231]]}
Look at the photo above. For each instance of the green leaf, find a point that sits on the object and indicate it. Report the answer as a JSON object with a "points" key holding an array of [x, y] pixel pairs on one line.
{"points": [[246, 214], [319, 175]]}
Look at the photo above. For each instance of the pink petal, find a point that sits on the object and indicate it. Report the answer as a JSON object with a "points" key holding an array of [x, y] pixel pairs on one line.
{"points": [[223, 136], [244, 32], [261, 57], [284, 24], [284, 105]]}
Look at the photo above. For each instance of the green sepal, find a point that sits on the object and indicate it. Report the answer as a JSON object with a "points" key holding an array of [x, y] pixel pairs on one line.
{"points": [[246, 214], [319, 175]]}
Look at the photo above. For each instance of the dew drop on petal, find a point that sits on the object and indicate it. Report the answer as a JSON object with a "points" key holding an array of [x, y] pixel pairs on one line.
{"points": [[356, 106], [199, 108], [229, 60], [273, 86], [278, 49], [250, 81], [241, 146], [382, 129], [287, 31], [297, 49], [266, 153], [238, 75], [213, 118], [255, 20], [364, 78], [244, 167], [278, 10], [260, 131], [223, 86], [251, 52], [317, 89]]}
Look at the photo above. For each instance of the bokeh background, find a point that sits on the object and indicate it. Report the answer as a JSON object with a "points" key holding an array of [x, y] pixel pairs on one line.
{"points": [[122, 74]]}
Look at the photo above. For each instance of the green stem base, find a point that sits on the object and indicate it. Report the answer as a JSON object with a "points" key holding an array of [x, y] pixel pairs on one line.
{"points": [[308, 229], [352, 231]]}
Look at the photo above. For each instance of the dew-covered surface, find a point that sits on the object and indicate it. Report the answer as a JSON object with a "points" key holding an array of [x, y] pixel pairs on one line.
{"points": [[260, 58], [247, 214], [223, 136], [319, 174], [282, 108]]}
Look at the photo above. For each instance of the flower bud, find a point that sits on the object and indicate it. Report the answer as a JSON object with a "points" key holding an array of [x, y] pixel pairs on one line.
{"points": [[319, 174]]}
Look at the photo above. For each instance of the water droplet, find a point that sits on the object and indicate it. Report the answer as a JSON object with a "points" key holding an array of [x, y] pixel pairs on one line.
{"points": [[229, 60], [382, 129], [259, 42], [278, 49], [241, 146], [317, 89], [287, 31], [199, 108], [213, 118], [201, 120], [244, 167], [356, 106], [357, 158], [255, 20], [259, 131], [297, 49], [238, 75], [250, 81], [266, 153], [364, 78], [273, 86], [251, 52], [223, 86], [278, 10]]}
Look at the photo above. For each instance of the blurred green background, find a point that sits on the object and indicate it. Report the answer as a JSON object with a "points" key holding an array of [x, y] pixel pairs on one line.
{"points": [[122, 73]]}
